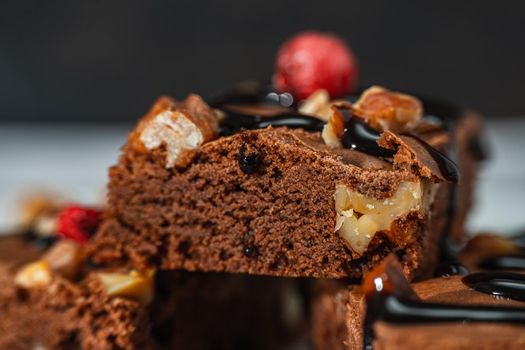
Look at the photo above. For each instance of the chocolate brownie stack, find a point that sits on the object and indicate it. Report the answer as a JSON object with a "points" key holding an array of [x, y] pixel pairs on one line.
{"points": [[226, 219]]}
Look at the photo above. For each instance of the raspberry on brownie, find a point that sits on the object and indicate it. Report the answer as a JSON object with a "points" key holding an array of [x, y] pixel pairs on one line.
{"points": [[260, 187]]}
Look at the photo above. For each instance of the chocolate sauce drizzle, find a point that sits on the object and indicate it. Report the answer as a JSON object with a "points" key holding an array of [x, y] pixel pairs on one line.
{"points": [[235, 121], [448, 168], [500, 284], [399, 310], [357, 135], [384, 305]]}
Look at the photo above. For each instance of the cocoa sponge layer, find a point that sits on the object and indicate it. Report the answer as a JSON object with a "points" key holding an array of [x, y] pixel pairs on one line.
{"points": [[256, 202]]}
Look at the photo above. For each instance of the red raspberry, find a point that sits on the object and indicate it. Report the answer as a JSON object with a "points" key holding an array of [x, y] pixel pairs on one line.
{"points": [[78, 223], [310, 61]]}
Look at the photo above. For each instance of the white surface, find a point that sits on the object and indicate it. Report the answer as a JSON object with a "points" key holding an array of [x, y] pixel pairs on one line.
{"points": [[73, 160], [500, 199]]}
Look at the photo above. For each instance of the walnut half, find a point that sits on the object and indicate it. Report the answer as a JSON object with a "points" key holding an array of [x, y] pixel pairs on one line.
{"points": [[180, 126], [360, 217], [388, 110]]}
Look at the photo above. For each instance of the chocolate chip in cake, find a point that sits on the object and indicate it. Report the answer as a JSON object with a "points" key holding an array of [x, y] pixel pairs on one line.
{"points": [[249, 162], [249, 249]]}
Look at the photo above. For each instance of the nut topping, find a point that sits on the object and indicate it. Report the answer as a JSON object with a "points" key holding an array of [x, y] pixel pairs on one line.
{"points": [[333, 130], [317, 104], [387, 110], [36, 274], [63, 258], [359, 217], [134, 285], [180, 126]]}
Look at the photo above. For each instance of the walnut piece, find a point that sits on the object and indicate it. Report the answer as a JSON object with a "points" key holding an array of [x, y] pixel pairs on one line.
{"points": [[359, 217], [334, 128], [36, 274], [64, 258], [134, 285], [387, 110], [180, 126], [317, 104]]}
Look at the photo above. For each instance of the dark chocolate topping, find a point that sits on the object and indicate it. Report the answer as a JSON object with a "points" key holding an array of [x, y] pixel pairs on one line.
{"points": [[501, 284], [448, 168], [358, 135], [235, 121], [386, 303], [399, 310]]}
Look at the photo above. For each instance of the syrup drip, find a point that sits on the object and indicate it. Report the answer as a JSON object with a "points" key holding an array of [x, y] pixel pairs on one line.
{"points": [[448, 168], [358, 135], [399, 310], [386, 303], [235, 121], [501, 284]]}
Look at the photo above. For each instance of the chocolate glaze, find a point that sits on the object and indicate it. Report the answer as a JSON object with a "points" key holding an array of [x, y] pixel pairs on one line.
{"points": [[357, 133], [235, 121], [383, 304], [399, 310], [448, 168], [502, 284]]}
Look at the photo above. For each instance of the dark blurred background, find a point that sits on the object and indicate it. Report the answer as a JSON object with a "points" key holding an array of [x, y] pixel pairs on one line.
{"points": [[91, 61]]}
